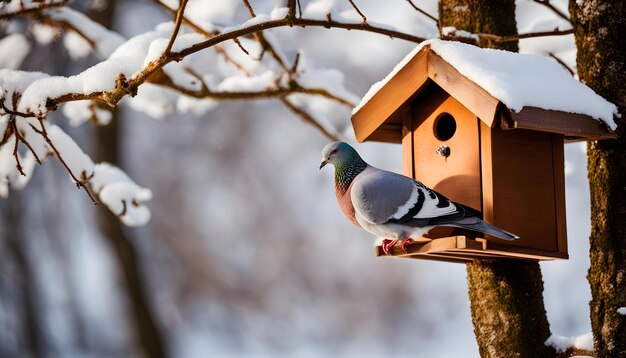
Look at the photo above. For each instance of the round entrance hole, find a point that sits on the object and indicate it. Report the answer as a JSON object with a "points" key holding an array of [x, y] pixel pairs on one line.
{"points": [[445, 127]]}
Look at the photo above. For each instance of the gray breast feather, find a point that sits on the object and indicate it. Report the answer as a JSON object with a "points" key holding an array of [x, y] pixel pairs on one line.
{"points": [[378, 194]]}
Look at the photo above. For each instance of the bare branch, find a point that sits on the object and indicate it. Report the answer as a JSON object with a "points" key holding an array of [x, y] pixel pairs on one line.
{"points": [[80, 183], [66, 26], [299, 8], [571, 71], [33, 10], [291, 5], [496, 38], [219, 48], [15, 113], [124, 87], [247, 3], [306, 117], [179, 21], [23, 140], [364, 22], [236, 40], [18, 164], [296, 22], [558, 12], [423, 12], [161, 78]]}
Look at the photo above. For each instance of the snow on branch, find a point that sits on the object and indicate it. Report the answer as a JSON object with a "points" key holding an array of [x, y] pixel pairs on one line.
{"points": [[120, 194], [168, 61], [570, 346]]}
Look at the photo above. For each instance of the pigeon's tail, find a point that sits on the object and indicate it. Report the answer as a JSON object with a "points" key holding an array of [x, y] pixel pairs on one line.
{"points": [[475, 224]]}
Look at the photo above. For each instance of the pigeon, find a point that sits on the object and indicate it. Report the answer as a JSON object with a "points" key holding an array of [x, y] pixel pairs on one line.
{"points": [[392, 206]]}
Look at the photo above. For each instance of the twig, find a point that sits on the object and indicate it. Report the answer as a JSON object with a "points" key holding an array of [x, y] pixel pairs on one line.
{"points": [[179, 21], [236, 40], [423, 12], [291, 5], [18, 164], [33, 10], [553, 8], [15, 113], [219, 49], [364, 22], [306, 117], [296, 22], [130, 87], [161, 79], [23, 140], [66, 26], [296, 62], [247, 3], [299, 8], [511, 38], [78, 182], [571, 72]]}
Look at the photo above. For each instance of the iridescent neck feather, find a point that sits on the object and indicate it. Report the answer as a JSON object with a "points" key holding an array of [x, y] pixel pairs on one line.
{"points": [[346, 171]]}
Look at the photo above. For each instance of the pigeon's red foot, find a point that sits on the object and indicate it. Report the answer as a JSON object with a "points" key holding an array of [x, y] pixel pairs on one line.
{"points": [[387, 245], [406, 241]]}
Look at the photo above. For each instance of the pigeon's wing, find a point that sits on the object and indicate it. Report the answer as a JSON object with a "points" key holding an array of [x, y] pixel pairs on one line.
{"points": [[383, 197]]}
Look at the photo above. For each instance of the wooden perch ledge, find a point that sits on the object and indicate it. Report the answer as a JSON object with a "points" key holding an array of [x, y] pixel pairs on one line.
{"points": [[463, 249]]}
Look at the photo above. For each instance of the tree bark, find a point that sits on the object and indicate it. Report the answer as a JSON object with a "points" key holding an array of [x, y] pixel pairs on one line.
{"points": [[107, 147], [600, 28], [506, 297]]}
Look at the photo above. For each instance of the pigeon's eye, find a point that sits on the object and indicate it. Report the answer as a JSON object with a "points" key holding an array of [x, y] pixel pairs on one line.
{"points": [[334, 151]]}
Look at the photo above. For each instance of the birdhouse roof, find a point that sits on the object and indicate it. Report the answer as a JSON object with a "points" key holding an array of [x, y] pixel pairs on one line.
{"points": [[502, 88]]}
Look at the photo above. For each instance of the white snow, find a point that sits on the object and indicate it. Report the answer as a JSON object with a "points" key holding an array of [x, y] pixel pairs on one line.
{"points": [[194, 106], [517, 80], [4, 121], [121, 195], [562, 343], [242, 83], [16, 81], [318, 10], [44, 34], [453, 31], [330, 79], [380, 84], [17, 46], [78, 162], [622, 311], [106, 41], [10, 177], [80, 111], [155, 101], [128, 59], [76, 45], [279, 13], [181, 77]]}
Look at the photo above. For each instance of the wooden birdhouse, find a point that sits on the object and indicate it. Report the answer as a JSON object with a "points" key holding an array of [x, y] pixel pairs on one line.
{"points": [[486, 128]]}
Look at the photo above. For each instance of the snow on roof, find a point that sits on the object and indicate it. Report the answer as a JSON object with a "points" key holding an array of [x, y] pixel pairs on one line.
{"points": [[517, 80]]}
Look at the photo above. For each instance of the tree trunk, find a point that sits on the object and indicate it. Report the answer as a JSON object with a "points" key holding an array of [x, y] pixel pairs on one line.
{"points": [[107, 145], [125, 254], [15, 241], [506, 297], [600, 28]]}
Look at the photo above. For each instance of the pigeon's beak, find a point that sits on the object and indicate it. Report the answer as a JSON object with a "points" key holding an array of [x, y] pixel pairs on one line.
{"points": [[324, 162]]}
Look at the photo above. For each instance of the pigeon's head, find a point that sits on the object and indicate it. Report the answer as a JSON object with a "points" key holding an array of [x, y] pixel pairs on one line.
{"points": [[338, 153]]}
